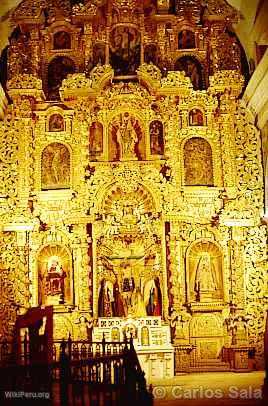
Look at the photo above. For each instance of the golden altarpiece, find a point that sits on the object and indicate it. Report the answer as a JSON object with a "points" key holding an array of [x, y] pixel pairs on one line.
{"points": [[131, 181]]}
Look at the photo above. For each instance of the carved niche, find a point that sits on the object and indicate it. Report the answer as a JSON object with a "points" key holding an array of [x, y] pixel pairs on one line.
{"points": [[56, 122], [126, 139], [198, 165], [95, 139], [156, 138], [58, 69], [125, 49], [62, 40], [186, 39], [192, 68], [54, 275], [204, 273], [196, 117], [55, 167]]}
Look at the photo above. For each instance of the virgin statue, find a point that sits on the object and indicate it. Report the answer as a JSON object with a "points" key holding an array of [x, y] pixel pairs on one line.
{"points": [[104, 302], [127, 138], [118, 305], [205, 278]]}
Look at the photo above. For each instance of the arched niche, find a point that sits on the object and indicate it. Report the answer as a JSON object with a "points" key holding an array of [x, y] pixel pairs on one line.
{"points": [[54, 275], [56, 122], [55, 167], [126, 138], [192, 68], [125, 49], [95, 140], [204, 267], [198, 164], [186, 39], [145, 339], [58, 69], [151, 54], [196, 117], [156, 137], [62, 40]]}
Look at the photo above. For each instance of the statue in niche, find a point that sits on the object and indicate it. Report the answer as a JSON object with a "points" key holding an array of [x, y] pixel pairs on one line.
{"points": [[153, 297], [62, 40], [96, 138], [186, 39], [125, 50], [151, 54], [58, 69], [118, 305], [56, 123], [196, 117], [205, 278], [139, 309], [192, 69], [54, 276], [198, 163], [55, 167], [105, 300], [156, 138], [127, 138]]}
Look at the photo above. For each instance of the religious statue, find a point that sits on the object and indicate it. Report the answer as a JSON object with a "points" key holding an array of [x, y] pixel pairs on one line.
{"points": [[139, 306], [55, 278], [118, 305], [177, 322], [156, 137], [153, 297], [205, 278], [105, 300], [96, 138], [127, 139]]}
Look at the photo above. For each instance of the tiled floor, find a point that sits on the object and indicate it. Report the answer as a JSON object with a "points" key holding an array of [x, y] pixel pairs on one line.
{"points": [[215, 388]]}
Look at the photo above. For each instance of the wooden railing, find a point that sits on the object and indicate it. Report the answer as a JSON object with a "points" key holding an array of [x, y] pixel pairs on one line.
{"points": [[82, 373]]}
